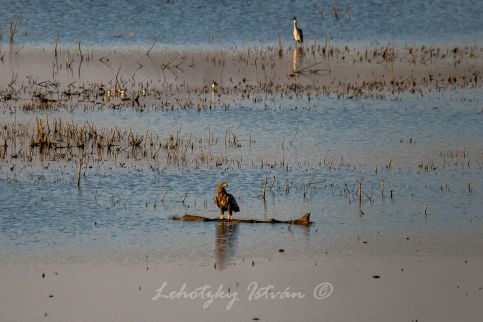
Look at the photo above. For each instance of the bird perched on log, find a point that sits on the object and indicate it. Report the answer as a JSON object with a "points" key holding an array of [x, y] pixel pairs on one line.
{"points": [[225, 201], [298, 35]]}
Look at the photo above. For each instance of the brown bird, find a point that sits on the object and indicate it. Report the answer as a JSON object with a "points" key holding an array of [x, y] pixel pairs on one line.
{"points": [[225, 201]]}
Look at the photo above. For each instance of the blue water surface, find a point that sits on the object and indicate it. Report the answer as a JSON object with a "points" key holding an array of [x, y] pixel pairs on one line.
{"points": [[226, 23]]}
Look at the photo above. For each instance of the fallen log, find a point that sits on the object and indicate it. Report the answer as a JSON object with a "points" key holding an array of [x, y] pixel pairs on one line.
{"points": [[303, 220]]}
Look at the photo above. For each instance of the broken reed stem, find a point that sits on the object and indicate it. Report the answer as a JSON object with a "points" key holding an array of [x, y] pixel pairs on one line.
{"points": [[79, 171], [307, 69], [104, 57], [55, 48], [80, 51], [360, 199], [85, 168], [295, 135], [184, 198], [273, 182], [265, 188], [117, 74], [164, 196], [12, 22], [154, 44]]}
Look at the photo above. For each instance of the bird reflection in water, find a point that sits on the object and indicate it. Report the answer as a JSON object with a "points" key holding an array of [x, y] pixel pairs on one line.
{"points": [[226, 241], [296, 60]]}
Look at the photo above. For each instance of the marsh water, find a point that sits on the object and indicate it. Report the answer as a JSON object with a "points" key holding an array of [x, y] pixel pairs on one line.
{"points": [[242, 22], [418, 158], [122, 207]]}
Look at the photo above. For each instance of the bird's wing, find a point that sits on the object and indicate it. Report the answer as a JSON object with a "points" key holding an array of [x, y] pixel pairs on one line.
{"points": [[221, 200], [233, 204], [301, 35]]}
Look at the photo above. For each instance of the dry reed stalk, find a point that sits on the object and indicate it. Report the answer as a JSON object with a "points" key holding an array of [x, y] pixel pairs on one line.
{"points": [[55, 48], [264, 188], [79, 171], [80, 51], [154, 44], [12, 23], [360, 199]]}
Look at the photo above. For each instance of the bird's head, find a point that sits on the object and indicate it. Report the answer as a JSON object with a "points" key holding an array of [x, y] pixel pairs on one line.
{"points": [[294, 18], [221, 186]]}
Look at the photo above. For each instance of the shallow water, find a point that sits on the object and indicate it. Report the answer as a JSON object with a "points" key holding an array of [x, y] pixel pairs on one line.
{"points": [[119, 209], [223, 23], [312, 152]]}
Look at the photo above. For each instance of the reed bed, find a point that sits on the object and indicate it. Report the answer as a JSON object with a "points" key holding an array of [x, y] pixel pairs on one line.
{"points": [[56, 141], [59, 140], [322, 69], [68, 141]]}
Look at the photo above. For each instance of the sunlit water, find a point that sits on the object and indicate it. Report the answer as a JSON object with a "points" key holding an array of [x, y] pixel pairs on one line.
{"points": [[121, 211], [208, 23]]}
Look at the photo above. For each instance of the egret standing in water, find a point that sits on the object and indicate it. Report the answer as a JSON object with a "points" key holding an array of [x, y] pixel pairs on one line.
{"points": [[298, 35]]}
